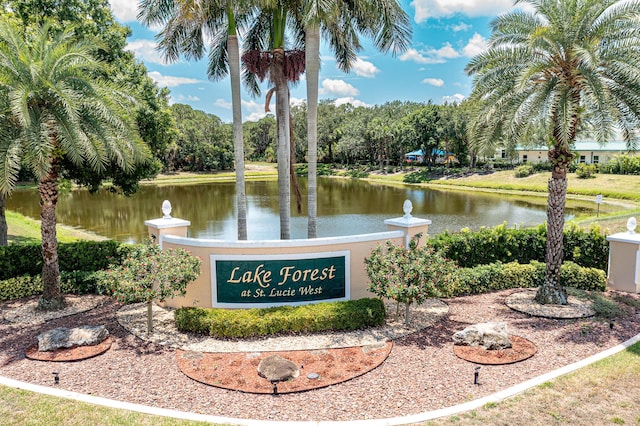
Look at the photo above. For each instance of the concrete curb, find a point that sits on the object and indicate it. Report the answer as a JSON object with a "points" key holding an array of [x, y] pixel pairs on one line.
{"points": [[413, 418]]}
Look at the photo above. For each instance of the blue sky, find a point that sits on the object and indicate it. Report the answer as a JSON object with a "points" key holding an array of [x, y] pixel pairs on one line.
{"points": [[446, 34]]}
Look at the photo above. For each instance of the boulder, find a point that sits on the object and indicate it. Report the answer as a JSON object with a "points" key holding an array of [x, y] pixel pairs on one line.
{"points": [[274, 368], [63, 337], [489, 335]]}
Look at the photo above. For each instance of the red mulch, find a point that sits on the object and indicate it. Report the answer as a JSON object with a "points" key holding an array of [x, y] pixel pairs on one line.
{"points": [[520, 350], [238, 371], [76, 353]]}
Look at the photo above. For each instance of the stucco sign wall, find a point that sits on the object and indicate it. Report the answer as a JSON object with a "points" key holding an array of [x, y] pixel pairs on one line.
{"points": [[271, 280]]}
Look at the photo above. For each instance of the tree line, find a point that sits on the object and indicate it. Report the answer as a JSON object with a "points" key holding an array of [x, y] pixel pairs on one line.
{"points": [[347, 135]]}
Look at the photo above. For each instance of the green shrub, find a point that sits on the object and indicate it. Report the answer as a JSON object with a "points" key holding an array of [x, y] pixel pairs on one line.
{"points": [[523, 171], [76, 282], [418, 176], [26, 259], [242, 323], [622, 165], [499, 276], [409, 275], [542, 166], [586, 171], [588, 248], [149, 274], [357, 173]]}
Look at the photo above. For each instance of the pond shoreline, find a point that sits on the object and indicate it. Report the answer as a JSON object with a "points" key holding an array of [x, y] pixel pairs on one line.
{"points": [[264, 172]]}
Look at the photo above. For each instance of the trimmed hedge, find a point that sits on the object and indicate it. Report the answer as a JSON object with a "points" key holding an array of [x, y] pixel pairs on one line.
{"points": [[26, 259], [76, 282], [241, 323], [501, 244], [501, 276]]}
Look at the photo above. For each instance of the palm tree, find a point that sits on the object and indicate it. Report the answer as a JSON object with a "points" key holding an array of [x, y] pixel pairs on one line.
{"points": [[566, 63], [63, 112], [265, 57], [186, 25], [341, 21]]}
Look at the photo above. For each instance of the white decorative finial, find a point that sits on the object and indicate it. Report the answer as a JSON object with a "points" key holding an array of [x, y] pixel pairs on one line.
{"points": [[407, 207], [631, 225], [166, 209]]}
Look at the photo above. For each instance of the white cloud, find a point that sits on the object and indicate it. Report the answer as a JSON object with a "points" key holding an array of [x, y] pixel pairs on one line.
{"points": [[297, 101], [183, 98], [461, 26], [337, 88], [146, 50], [431, 56], [445, 52], [454, 98], [350, 100], [364, 68], [255, 109], [414, 56], [124, 10], [437, 82], [426, 9], [476, 45], [171, 81], [221, 103]]}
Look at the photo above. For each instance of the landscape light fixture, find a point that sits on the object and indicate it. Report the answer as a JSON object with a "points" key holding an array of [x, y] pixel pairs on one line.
{"points": [[476, 375], [56, 378]]}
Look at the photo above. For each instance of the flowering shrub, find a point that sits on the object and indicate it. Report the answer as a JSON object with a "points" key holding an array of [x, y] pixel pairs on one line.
{"points": [[410, 275], [150, 273]]}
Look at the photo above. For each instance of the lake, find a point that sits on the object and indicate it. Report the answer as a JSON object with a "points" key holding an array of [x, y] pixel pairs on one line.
{"points": [[345, 206]]}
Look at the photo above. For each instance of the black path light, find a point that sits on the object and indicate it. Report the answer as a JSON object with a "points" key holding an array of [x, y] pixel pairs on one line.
{"points": [[476, 375], [56, 377]]}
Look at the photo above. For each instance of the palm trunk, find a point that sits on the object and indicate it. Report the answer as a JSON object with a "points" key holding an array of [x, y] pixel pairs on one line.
{"points": [[312, 64], [282, 120], [552, 292], [3, 221], [51, 298], [238, 142]]}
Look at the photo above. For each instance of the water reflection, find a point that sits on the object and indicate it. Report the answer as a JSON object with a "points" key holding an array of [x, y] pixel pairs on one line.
{"points": [[344, 207]]}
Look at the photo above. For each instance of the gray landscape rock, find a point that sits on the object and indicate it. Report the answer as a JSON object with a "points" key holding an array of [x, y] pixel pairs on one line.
{"points": [[489, 335], [274, 368], [63, 337]]}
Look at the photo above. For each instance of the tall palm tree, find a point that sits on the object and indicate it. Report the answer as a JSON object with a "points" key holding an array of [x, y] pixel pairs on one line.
{"points": [[266, 57], [566, 63], [187, 26], [383, 21], [64, 112]]}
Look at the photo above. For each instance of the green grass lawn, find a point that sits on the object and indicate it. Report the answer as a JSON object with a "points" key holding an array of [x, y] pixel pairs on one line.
{"points": [[621, 187], [23, 229]]}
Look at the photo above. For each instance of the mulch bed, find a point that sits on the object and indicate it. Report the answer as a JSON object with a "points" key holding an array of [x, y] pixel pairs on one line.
{"points": [[238, 371], [520, 350], [76, 353]]}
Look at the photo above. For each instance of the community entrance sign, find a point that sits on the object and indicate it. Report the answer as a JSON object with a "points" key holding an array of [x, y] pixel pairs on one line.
{"points": [[271, 280]]}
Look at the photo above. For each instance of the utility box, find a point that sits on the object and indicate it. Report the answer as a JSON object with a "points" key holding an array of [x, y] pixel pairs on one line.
{"points": [[624, 262]]}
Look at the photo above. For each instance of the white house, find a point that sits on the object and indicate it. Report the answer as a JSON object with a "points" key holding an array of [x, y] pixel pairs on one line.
{"points": [[588, 152]]}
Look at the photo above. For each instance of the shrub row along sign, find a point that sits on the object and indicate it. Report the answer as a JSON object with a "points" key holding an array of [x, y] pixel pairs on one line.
{"points": [[271, 280]]}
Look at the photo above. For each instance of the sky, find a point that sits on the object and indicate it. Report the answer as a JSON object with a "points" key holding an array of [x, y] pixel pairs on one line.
{"points": [[446, 35]]}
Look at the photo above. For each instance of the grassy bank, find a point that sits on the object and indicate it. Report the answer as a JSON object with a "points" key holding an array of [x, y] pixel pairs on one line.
{"points": [[619, 187], [24, 229], [603, 393]]}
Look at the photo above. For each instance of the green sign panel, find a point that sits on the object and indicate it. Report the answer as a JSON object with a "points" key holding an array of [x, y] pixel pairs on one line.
{"points": [[279, 279]]}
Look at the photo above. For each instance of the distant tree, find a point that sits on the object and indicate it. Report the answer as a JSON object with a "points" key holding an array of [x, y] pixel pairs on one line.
{"points": [[260, 136], [203, 143]]}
